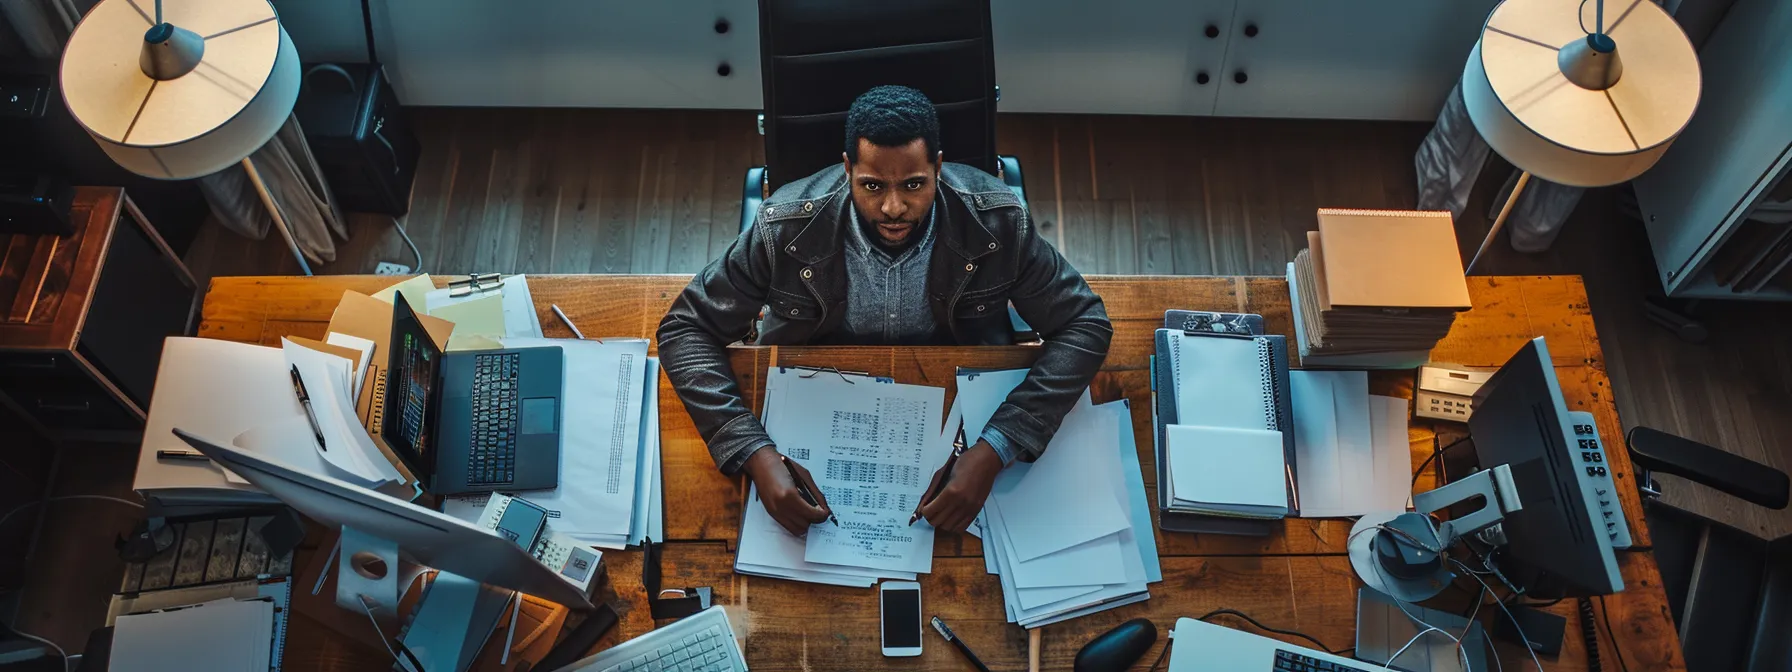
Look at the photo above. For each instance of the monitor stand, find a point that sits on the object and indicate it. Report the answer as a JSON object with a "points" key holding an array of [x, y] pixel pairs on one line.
{"points": [[449, 625]]}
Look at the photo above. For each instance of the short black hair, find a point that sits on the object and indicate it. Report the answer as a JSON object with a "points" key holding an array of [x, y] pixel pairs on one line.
{"points": [[892, 116]]}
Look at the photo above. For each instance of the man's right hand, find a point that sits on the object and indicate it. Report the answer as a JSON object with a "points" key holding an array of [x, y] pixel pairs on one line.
{"points": [[779, 493]]}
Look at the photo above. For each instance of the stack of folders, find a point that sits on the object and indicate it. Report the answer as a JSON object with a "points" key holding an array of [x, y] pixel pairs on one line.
{"points": [[872, 446], [1070, 533], [1223, 421], [610, 493], [1376, 289], [226, 634]]}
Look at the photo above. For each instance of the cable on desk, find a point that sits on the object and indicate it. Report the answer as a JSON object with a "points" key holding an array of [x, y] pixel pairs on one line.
{"points": [[1261, 626], [1433, 456], [1515, 625], [1589, 633], [1617, 653]]}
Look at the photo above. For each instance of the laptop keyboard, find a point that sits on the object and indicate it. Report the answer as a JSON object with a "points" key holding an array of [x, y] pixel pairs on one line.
{"points": [[492, 460], [1289, 661]]}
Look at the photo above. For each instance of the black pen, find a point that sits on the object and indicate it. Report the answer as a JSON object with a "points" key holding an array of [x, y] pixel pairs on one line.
{"points": [[298, 387], [176, 455], [947, 633], [803, 489], [945, 475]]}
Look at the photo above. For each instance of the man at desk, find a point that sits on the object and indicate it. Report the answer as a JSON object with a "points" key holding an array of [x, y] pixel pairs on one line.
{"points": [[894, 248]]}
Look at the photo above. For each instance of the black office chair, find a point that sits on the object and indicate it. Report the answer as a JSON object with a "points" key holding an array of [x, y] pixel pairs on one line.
{"points": [[816, 56], [1730, 591]]}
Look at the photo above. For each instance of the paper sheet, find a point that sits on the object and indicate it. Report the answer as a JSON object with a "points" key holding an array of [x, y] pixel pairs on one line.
{"points": [[227, 635], [1047, 505], [478, 324], [215, 389], [872, 448], [1138, 501], [362, 345], [1219, 382], [600, 441], [520, 318], [1350, 446], [347, 445], [648, 513], [416, 291], [1221, 468], [289, 442]]}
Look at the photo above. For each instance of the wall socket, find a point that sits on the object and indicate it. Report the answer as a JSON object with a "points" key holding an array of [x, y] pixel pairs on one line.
{"points": [[389, 268]]}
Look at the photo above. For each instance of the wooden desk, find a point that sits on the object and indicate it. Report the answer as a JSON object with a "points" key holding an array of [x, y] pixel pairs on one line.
{"points": [[1298, 579]]}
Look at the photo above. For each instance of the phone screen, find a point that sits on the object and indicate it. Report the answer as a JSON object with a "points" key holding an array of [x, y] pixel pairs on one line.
{"points": [[902, 619], [522, 522]]}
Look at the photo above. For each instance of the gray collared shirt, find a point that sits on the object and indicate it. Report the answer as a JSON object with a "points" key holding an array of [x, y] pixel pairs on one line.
{"points": [[886, 300]]}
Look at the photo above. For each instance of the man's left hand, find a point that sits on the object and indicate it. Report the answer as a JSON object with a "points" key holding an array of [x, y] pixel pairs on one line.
{"points": [[962, 497]]}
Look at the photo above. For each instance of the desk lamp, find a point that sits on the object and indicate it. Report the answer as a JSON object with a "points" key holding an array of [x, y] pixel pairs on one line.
{"points": [[183, 88], [1568, 97]]}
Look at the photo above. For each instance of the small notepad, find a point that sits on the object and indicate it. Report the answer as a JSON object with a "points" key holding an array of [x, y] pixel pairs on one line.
{"points": [[1228, 470]]}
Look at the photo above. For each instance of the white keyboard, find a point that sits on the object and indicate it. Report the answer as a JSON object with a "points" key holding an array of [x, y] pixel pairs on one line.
{"points": [[701, 642]]}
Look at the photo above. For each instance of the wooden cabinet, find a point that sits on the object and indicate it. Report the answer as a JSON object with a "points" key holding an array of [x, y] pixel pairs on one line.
{"points": [[82, 319]]}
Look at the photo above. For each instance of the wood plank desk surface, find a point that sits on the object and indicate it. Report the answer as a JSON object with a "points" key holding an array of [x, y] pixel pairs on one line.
{"points": [[1298, 579]]}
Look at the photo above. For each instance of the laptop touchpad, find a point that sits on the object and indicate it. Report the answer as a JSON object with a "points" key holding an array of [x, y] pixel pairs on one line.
{"points": [[538, 415]]}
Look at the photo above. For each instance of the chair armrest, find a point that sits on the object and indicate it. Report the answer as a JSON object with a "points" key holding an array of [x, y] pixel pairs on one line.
{"points": [[1010, 167], [752, 195], [1660, 451]]}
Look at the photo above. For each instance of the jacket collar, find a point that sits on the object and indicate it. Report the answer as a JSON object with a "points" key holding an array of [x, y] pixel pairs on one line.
{"points": [[955, 219]]}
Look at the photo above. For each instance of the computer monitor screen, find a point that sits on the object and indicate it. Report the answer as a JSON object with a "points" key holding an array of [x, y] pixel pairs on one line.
{"points": [[423, 536], [410, 378], [1556, 546]]}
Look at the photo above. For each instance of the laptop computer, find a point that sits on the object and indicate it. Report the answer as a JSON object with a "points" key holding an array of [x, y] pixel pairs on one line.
{"points": [[474, 421]]}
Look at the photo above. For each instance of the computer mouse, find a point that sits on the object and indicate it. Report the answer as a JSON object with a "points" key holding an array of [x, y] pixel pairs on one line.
{"points": [[1117, 649]]}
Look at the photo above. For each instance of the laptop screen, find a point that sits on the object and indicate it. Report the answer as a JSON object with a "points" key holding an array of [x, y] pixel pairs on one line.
{"points": [[410, 377]]}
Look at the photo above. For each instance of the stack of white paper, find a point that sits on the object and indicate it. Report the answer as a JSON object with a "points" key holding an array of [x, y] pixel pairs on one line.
{"points": [[1069, 534], [872, 447], [1350, 446], [609, 493], [346, 445], [226, 635], [1226, 471]]}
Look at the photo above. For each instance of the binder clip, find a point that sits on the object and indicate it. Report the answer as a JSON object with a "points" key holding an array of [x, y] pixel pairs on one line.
{"points": [[672, 602], [477, 283]]}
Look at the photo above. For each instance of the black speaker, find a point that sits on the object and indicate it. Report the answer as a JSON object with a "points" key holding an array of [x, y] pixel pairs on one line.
{"points": [[359, 135], [35, 205]]}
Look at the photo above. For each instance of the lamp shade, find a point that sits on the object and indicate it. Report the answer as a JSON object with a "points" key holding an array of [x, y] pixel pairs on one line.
{"points": [[1548, 96], [185, 96]]}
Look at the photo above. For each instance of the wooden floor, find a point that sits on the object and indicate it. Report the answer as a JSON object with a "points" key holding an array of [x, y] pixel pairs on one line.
{"points": [[611, 191]]}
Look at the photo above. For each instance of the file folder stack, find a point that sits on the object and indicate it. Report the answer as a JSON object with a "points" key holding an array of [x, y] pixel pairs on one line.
{"points": [[1223, 432], [1376, 288], [1069, 534]]}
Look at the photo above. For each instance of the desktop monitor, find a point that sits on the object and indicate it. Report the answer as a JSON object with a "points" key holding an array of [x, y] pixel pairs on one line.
{"points": [[423, 536], [1556, 545]]}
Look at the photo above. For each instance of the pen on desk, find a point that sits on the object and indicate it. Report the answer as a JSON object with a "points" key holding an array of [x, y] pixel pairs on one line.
{"points": [[1293, 492], [178, 455], [563, 318], [962, 648], [803, 488], [945, 475], [298, 387]]}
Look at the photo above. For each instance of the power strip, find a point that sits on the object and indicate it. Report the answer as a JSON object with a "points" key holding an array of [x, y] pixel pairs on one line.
{"points": [[389, 268]]}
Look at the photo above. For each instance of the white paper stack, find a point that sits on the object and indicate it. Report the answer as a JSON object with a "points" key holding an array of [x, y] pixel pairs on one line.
{"points": [[872, 447], [226, 635], [1069, 534], [609, 494], [1225, 456], [1350, 446], [347, 446]]}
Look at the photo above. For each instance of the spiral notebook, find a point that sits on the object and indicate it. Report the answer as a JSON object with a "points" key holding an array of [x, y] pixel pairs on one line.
{"points": [[1220, 380]]}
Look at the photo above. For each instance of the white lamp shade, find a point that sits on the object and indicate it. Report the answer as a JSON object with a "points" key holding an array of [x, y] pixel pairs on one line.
{"points": [[1531, 114], [228, 106]]}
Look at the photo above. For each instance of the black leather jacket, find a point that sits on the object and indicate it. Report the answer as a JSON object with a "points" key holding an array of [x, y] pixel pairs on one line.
{"points": [[790, 262]]}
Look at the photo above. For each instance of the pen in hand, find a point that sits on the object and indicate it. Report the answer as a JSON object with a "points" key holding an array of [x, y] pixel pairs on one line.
{"points": [[802, 489], [945, 475]]}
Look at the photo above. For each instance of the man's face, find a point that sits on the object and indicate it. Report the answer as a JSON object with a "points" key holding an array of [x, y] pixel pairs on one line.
{"points": [[893, 187]]}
